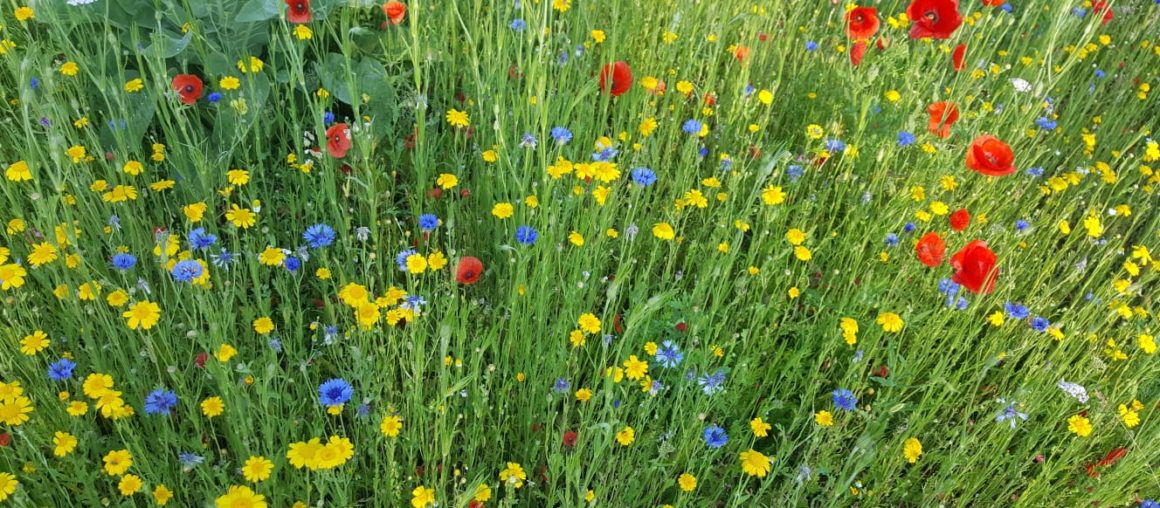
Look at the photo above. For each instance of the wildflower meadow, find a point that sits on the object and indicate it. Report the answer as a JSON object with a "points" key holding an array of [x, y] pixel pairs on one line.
{"points": [[571, 253]]}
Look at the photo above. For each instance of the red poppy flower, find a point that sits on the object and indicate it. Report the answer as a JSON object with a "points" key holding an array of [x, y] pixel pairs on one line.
{"points": [[957, 56], [1102, 6], [1112, 457], [857, 52], [994, 3], [338, 140], [469, 270], [740, 53], [960, 219], [931, 249], [200, 359], [5, 438], [616, 78], [681, 327], [990, 156], [943, 115], [933, 18], [299, 11], [862, 23], [188, 87], [569, 438], [975, 267], [395, 11]]}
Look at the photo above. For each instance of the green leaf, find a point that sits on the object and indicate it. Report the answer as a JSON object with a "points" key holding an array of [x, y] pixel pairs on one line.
{"points": [[257, 10], [168, 45]]}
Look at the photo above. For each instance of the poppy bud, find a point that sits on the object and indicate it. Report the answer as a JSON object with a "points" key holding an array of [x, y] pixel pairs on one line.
{"points": [[682, 327], [464, 193], [569, 438], [435, 193], [200, 359], [109, 156], [5, 438], [762, 36]]}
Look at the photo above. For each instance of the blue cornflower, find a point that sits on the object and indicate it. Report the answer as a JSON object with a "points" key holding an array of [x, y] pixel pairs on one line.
{"points": [[909, 227], [726, 164], [200, 240], [275, 344], [319, 236], [61, 370], [1021, 225], [669, 355], [702, 152], [948, 287], [1148, 503], [562, 386], [187, 270], [1035, 172], [794, 172], [1045, 123], [160, 402], [691, 126], [34, 83], [428, 222], [643, 176], [845, 399], [959, 304], [401, 258], [526, 235], [1040, 324], [328, 118], [335, 392], [835, 145], [190, 460], [891, 240], [562, 135], [222, 259], [518, 25], [1099, 73], [715, 437], [528, 140], [1012, 416], [213, 97], [605, 154], [748, 90], [712, 383], [292, 263], [655, 387], [811, 46], [124, 260], [1078, 12], [905, 138], [1016, 310]]}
